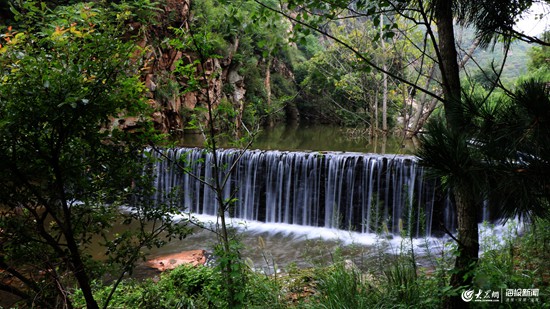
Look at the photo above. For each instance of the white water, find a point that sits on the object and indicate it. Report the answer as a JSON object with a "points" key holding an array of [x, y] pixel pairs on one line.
{"points": [[297, 233], [303, 246], [362, 193], [304, 205]]}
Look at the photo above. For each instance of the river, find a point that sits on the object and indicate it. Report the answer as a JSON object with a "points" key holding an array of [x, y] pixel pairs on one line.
{"points": [[318, 137], [291, 244]]}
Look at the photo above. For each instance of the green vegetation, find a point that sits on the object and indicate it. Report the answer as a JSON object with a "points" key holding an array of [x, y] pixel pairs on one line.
{"points": [[67, 85], [75, 117], [377, 280], [217, 114], [458, 144], [253, 52], [539, 64], [492, 57]]}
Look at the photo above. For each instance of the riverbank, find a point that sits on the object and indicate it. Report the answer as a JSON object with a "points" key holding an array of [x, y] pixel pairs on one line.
{"points": [[352, 276]]}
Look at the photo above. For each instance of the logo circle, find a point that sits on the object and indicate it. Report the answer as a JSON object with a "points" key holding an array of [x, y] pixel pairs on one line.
{"points": [[467, 295]]}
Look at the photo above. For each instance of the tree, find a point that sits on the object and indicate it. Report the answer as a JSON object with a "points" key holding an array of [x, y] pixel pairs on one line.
{"points": [[539, 61], [264, 52], [344, 89], [66, 84], [492, 21], [502, 156], [196, 38]]}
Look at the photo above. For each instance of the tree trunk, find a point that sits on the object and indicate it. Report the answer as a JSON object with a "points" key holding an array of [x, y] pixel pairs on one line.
{"points": [[468, 237], [78, 268], [384, 79], [468, 244], [448, 63], [375, 131], [81, 275], [73, 255], [466, 207], [419, 117], [267, 85]]}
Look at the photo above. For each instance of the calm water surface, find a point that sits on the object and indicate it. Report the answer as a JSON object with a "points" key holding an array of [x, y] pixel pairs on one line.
{"points": [[315, 137]]}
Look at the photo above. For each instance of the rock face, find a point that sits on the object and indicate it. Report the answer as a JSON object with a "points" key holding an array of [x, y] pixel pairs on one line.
{"points": [[221, 77], [168, 95], [171, 261]]}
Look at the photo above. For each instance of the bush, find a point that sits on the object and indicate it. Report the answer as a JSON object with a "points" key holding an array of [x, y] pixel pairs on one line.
{"points": [[514, 261], [508, 261]]}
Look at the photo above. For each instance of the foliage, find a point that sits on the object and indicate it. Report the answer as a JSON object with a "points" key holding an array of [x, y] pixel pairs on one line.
{"points": [[66, 81], [488, 60], [51, 115], [217, 113], [511, 261], [513, 256], [539, 57], [498, 158], [249, 45], [337, 82], [183, 287], [232, 270], [501, 156], [490, 24], [342, 287], [531, 253], [186, 286], [340, 86]]}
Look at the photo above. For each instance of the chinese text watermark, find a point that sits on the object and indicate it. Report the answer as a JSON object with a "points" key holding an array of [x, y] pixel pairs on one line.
{"points": [[503, 296]]}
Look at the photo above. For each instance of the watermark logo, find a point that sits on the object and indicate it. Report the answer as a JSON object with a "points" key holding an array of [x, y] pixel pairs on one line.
{"points": [[467, 295], [504, 295], [521, 295], [481, 296]]}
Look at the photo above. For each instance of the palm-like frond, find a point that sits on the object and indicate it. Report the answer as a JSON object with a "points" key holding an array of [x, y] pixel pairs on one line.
{"points": [[491, 19], [502, 155], [518, 152], [452, 157]]}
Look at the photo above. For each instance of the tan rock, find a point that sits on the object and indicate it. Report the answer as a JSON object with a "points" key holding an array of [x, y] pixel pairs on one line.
{"points": [[171, 261], [149, 83]]}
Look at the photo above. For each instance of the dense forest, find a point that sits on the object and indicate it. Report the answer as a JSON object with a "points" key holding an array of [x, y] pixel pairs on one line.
{"points": [[88, 90], [268, 73]]}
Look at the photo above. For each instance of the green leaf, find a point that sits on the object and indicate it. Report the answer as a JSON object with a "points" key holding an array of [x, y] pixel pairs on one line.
{"points": [[261, 43]]}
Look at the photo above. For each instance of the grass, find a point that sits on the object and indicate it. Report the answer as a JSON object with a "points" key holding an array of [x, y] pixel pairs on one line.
{"points": [[357, 278]]}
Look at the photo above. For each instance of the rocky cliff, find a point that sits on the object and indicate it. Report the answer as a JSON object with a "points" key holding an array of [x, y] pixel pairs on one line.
{"points": [[169, 95], [166, 91]]}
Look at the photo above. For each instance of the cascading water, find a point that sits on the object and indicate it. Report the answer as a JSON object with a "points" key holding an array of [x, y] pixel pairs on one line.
{"points": [[367, 193]]}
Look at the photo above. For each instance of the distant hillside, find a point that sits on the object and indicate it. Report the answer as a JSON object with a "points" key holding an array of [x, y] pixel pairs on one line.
{"points": [[516, 62]]}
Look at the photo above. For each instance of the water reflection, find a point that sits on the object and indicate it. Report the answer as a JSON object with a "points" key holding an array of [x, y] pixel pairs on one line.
{"points": [[318, 137]]}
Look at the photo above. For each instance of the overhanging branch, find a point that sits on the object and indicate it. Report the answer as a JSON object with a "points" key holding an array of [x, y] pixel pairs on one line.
{"points": [[351, 48]]}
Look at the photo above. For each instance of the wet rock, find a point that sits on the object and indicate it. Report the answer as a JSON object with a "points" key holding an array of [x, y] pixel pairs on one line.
{"points": [[171, 261]]}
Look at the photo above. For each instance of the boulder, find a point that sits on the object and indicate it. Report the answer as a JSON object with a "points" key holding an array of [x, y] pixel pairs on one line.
{"points": [[171, 261]]}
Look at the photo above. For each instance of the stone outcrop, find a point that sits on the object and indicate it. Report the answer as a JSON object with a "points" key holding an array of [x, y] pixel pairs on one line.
{"points": [[171, 261], [168, 95], [172, 101]]}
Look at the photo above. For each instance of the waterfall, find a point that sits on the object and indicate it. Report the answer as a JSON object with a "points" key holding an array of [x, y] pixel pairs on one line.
{"points": [[367, 193]]}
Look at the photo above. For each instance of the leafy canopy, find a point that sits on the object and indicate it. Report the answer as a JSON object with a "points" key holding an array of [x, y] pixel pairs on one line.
{"points": [[67, 81]]}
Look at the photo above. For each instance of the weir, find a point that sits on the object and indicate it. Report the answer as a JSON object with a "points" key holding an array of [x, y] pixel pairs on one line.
{"points": [[367, 193]]}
